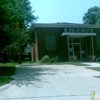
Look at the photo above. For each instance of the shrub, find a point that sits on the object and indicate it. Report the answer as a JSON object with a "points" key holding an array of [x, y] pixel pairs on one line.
{"points": [[54, 60], [73, 58], [10, 52], [45, 59]]}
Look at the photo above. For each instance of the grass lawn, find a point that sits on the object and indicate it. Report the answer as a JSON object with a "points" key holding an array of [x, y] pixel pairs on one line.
{"points": [[64, 63], [7, 69], [4, 81], [97, 76], [9, 64], [94, 68]]}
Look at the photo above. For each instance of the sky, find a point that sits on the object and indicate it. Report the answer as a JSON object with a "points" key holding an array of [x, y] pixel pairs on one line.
{"points": [[53, 11]]}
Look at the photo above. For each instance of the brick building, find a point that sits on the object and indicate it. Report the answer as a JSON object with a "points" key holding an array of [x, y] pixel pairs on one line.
{"points": [[65, 40]]}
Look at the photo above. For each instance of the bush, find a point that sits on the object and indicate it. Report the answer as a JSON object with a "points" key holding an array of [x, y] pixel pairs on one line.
{"points": [[10, 52], [45, 59], [54, 60]]}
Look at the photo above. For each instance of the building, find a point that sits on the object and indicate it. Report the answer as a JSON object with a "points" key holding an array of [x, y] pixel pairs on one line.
{"points": [[65, 40]]}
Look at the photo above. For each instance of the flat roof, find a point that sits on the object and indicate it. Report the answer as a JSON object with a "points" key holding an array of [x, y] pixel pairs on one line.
{"points": [[64, 25]]}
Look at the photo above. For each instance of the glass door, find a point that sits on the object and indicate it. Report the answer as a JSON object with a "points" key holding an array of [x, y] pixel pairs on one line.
{"points": [[77, 47], [76, 51], [83, 52]]}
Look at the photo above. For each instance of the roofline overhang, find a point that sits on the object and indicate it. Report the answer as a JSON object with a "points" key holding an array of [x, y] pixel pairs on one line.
{"points": [[63, 25], [78, 34]]}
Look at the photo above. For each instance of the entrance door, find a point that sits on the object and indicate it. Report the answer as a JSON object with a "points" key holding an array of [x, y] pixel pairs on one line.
{"points": [[77, 51], [83, 52], [77, 47]]}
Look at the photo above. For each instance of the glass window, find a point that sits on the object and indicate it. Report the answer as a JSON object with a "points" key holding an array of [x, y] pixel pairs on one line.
{"points": [[70, 40], [98, 42], [50, 42], [83, 40]]}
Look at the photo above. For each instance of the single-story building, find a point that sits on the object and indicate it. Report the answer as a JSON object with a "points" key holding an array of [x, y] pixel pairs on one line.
{"points": [[65, 40]]}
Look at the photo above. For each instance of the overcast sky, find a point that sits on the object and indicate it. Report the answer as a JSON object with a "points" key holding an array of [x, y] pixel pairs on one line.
{"points": [[52, 11]]}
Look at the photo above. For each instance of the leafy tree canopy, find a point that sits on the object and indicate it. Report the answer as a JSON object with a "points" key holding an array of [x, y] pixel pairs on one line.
{"points": [[11, 12], [92, 15]]}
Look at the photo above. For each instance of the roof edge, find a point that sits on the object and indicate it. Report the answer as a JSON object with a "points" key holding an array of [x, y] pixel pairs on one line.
{"points": [[65, 25]]}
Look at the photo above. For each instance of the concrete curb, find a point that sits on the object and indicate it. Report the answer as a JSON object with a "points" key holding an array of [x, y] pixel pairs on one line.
{"points": [[36, 64], [5, 87]]}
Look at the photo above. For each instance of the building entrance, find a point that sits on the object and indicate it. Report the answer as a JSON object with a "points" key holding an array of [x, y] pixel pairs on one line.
{"points": [[77, 47]]}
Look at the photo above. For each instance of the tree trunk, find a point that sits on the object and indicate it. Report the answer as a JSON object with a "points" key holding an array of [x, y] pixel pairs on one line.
{"points": [[19, 46]]}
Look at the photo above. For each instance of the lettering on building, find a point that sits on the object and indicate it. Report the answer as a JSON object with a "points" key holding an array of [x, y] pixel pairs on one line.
{"points": [[78, 30]]}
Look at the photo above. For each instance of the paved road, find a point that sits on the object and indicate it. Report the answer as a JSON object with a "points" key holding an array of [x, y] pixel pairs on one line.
{"points": [[51, 82]]}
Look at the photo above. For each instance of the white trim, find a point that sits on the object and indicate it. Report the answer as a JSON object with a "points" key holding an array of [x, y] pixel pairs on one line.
{"points": [[78, 34], [92, 45], [64, 25]]}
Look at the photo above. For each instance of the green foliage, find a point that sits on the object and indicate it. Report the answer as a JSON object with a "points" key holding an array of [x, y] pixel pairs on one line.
{"points": [[10, 64], [11, 12], [11, 52], [92, 15], [4, 81], [45, 59], [94, 68], [54, 60], [98, 22], [51, 59], [20, 10]]}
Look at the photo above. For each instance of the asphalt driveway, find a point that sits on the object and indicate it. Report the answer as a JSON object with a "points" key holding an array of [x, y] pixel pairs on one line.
{"points": [[52, 82]]}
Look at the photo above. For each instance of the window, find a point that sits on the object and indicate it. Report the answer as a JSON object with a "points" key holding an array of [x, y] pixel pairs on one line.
{"points": [[98, 42], [50, 42]]}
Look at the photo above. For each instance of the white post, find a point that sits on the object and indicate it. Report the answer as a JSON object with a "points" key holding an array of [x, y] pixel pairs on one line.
{"points": [[92, 45], [68, 46], [36, 47]]}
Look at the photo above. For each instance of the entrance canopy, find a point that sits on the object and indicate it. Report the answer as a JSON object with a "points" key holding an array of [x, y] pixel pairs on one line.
{"points": [[78, 34]]}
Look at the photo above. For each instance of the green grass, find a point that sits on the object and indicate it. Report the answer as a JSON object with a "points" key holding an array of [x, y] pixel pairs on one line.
{"points": [[94, 68], [7, 69], [68, 63], [13, 64], [4, 81], [97, 76]]}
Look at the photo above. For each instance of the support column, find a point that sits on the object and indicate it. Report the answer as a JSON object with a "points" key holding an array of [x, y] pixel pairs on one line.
{"points": [[80, 53], [32, 52], [68, 46], [36, 47], [72, 47], [92, 45]]}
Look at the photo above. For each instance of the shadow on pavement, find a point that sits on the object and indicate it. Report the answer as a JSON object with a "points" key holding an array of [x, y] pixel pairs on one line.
{"points": [[32, 76]]}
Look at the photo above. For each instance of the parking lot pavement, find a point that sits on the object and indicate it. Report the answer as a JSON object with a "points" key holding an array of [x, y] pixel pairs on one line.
{"points": [[52, 82]]}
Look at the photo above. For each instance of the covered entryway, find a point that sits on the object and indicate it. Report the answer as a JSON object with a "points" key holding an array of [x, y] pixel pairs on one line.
{"points": [[77, 47], [80, 45]]}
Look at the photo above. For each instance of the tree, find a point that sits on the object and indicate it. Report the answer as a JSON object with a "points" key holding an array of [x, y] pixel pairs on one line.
{"points": [[92, 15], [21, 13], [98, 22], [15, 18], [4, 34]]}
